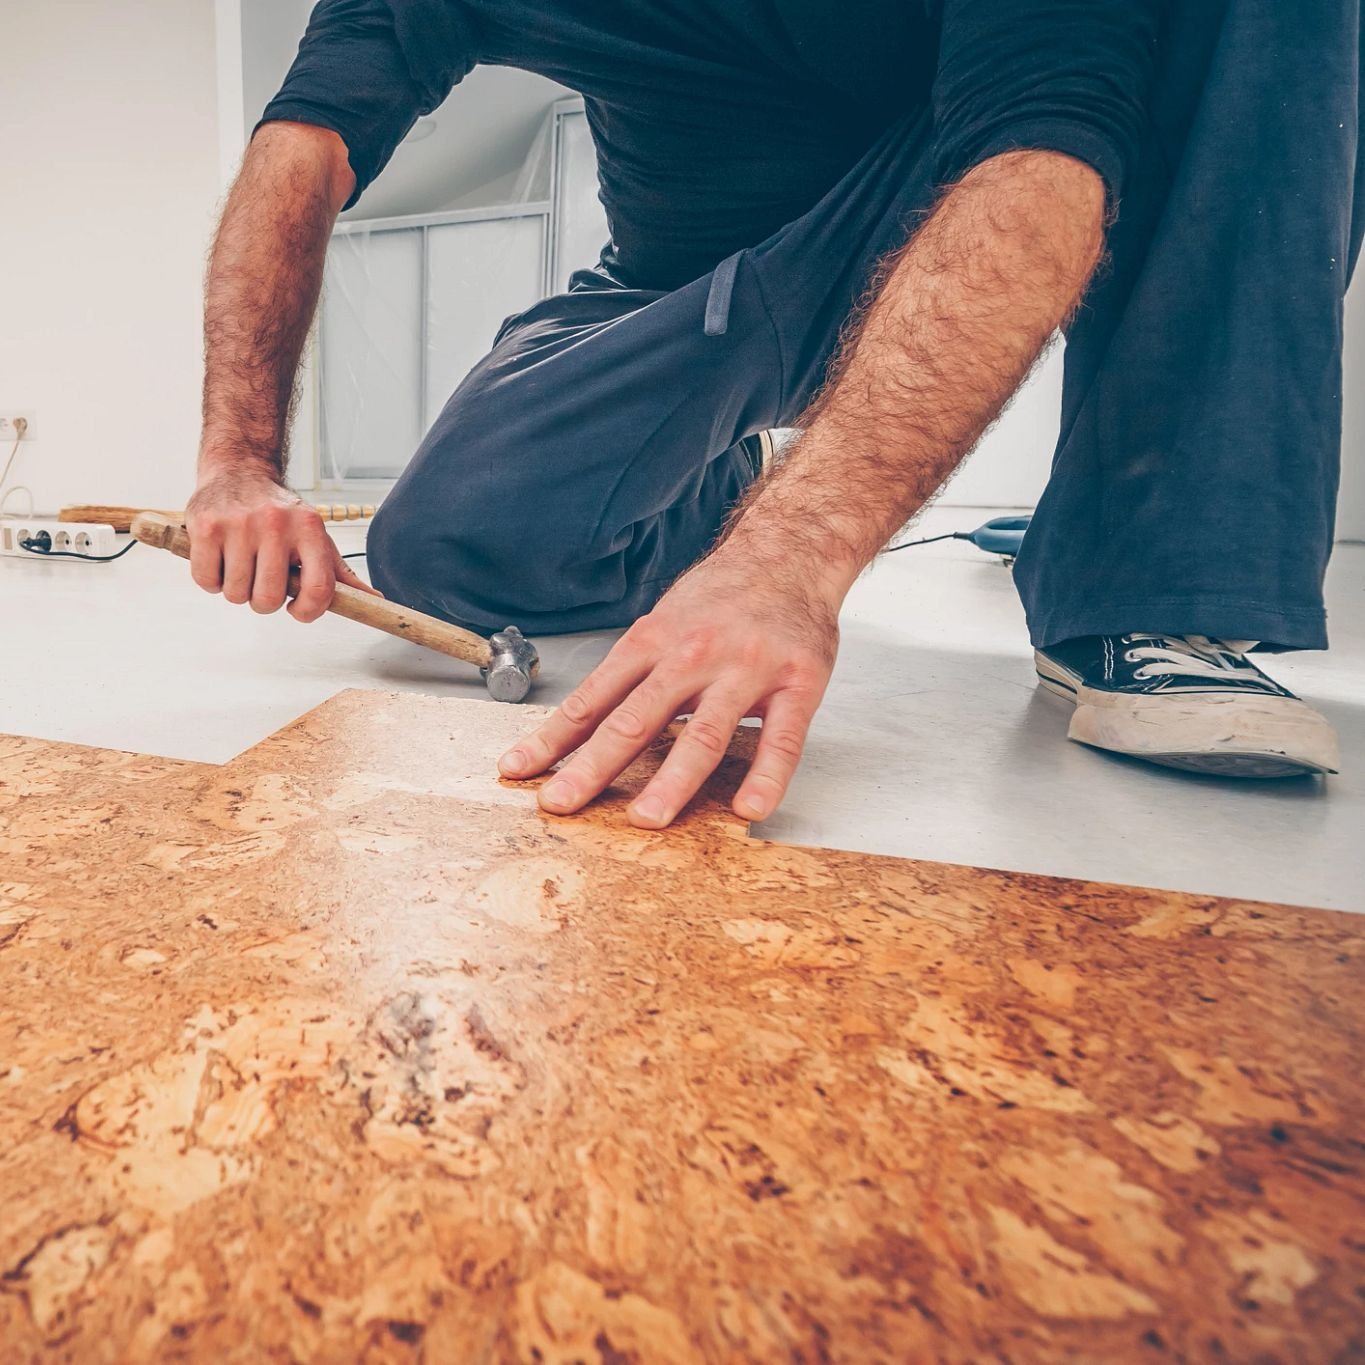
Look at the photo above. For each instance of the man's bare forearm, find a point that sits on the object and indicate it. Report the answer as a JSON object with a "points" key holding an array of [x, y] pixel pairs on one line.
{"points": [[265, 275], [961, 314], [247, 531]]}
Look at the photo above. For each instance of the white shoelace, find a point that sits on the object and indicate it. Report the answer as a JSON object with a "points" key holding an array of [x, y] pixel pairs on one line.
{"points": [[1189, 656]]}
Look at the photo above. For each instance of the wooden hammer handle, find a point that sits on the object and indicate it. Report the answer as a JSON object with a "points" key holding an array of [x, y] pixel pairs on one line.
{"points": [[120, 518], [161, 532]]}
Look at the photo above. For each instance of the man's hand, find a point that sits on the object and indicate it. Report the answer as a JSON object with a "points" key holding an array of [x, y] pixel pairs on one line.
{"points": [[724, 643], [247, 532]]}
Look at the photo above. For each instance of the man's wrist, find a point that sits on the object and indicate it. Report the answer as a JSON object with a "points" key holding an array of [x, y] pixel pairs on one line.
{"points": [[796, 528], [774, 550], [237, 464]]}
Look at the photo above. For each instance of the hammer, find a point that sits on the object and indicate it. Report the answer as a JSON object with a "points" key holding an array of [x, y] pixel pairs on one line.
{"points": [[508, 660]]}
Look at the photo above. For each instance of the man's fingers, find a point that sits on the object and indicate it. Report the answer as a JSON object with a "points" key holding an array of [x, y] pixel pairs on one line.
{"points": [[317, 578], [206, 560], [239, 569], [695, 755], [580, 713], [786, 722], [617, 743], [271, 582]]}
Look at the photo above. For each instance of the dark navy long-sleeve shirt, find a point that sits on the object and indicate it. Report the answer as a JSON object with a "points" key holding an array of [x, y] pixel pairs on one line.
{"points": [[717, 121]]}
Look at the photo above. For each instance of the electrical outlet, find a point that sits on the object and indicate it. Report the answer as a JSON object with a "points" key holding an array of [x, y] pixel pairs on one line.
{"points": [[76, 537], [9, 431]]}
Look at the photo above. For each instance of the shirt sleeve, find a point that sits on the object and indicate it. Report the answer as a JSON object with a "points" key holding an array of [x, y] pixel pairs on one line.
{"points": [[1069, 76], [367, 69]]}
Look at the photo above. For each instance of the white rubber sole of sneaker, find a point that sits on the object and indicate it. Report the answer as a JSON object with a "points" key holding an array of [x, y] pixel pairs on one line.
{"points": [[768, 445], [1221, 734]]}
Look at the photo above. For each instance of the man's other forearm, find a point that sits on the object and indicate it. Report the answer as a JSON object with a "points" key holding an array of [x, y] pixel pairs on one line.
{"points": [[961, 314], [265, 275]]}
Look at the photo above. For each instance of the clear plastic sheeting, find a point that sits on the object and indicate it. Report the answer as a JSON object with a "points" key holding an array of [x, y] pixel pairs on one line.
{"points": [[370, 354], [536, 176], [410, 305]]}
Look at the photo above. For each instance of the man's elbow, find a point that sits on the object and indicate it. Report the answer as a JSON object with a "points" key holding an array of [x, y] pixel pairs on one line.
{"points": [[1052, 206], [321, 151]]}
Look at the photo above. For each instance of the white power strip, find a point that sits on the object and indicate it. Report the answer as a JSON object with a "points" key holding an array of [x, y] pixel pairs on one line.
{"points": [[75, 537]]}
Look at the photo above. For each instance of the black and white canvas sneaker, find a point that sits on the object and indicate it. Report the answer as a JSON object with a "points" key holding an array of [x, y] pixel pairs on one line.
{"points": [[1186, 701]]}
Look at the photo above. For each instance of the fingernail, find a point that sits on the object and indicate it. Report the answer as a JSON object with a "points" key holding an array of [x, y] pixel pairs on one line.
{"points": [[557, 794], [750, 807], [514, 761], [650, 808]]}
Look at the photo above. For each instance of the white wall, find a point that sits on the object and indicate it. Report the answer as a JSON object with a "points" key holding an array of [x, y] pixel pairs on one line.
{"points": [[271, 30], [108, 182]]}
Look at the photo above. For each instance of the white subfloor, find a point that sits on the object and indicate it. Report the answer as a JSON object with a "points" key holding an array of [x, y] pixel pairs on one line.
{"points": [[932, 743]]}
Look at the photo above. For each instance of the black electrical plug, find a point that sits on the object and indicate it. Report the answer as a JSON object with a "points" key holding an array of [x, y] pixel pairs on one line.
{"points": [[40, 544]]}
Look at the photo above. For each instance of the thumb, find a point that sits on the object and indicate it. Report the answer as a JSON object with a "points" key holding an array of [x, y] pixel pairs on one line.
{"points": [[347, 575]]}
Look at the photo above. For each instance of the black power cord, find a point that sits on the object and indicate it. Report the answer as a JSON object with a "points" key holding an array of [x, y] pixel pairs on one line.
{"points": [[929, 540]]}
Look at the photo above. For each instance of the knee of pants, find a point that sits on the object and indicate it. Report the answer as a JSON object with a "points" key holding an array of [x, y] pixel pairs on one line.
{"points": [[426, 558], [454, 550]]}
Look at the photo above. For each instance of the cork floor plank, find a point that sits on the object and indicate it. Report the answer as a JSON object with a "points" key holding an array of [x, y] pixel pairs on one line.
{"points": [[344, 1051], [43, 767]]}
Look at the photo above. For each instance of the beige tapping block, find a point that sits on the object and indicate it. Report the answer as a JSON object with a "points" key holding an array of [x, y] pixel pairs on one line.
{"points": [[345, 1051], [344, 512]]}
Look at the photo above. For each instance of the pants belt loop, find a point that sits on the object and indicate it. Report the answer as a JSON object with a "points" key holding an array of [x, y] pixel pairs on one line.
{"points": [[718, 300]]}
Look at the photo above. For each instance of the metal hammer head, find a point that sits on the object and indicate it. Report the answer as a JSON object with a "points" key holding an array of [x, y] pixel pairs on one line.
{"points": [[515, 663]]}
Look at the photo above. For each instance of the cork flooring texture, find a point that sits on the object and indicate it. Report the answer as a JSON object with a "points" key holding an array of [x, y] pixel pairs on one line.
{"points": [[345, 1052]]}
